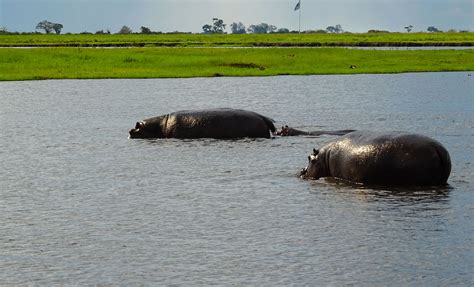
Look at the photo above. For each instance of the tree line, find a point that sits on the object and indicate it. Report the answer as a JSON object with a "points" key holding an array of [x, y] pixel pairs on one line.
{"points": [[216, 27]]}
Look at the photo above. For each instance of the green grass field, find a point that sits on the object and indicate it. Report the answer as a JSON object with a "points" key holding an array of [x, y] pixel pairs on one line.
{"points": [[88, 63], [246, 40]]}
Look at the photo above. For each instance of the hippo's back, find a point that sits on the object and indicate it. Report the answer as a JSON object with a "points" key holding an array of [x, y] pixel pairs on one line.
{"points": [[219, 123], [394, 158]]}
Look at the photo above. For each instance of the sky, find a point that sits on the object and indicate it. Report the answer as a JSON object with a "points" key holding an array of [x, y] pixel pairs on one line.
{"points": [[190, 15]]}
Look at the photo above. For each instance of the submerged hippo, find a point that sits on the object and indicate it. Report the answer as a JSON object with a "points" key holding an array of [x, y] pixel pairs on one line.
{"points": [[287, 131], [212, 123], [394, 158]]}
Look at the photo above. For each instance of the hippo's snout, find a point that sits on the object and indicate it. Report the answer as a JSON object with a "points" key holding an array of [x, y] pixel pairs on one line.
{"points": [[133, 133], [303, 171]]}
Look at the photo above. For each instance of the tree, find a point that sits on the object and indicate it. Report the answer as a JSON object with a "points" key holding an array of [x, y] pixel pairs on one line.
{"points": [[432, 29], [217, 27], [207, 29], [48, 27], [334, 29], [409, 28], [57, 28], [261, 28], [331, 29], [238, 28], [145, 30], [283, 30], [45, 25], [125, 30], [271, 28]]}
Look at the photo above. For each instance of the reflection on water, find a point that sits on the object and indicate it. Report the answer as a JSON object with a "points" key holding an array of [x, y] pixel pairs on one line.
{"points": [[82, 204], [404, 192]]}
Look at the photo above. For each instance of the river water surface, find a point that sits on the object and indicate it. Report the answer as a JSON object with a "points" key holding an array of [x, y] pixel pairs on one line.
{"points": [[82, 204]]}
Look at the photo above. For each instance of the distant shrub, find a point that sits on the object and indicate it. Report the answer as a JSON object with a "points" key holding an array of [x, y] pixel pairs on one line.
{"points": [[282, 30], [101, 32], [433, 29], [238, 28], [145, 30], [262, 28], [319, 31], [125, 30], [377, 31]]}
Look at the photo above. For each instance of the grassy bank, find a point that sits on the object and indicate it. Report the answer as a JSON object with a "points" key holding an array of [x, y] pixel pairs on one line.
{"points": [[247, 40], [79, 63]]}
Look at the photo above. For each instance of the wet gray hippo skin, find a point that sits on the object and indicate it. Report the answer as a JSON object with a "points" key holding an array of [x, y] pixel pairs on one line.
{"points": [[287, 131], [212, 123], [393, 159]]}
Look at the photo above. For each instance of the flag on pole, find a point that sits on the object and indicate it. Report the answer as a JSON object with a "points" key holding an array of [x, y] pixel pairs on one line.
{"points": [[297, 7]]}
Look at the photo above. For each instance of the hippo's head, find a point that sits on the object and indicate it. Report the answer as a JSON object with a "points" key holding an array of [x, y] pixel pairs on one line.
{"points": [[146, 130], [316, 166]]}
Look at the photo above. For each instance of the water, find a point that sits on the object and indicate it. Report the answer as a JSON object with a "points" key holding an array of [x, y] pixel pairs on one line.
{"points": [[82, 204], [416, 48]]}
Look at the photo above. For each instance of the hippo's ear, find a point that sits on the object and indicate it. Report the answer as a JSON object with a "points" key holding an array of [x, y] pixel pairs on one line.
{"points": [[315, 151]]}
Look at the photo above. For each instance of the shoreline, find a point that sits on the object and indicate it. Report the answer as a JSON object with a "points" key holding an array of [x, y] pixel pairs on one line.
{"points": [[243, 45], [208, 77]]}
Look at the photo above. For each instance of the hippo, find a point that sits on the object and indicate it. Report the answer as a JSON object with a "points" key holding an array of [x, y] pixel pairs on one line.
{"points": [[221, 123], [287, 131], [381, 158]]}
